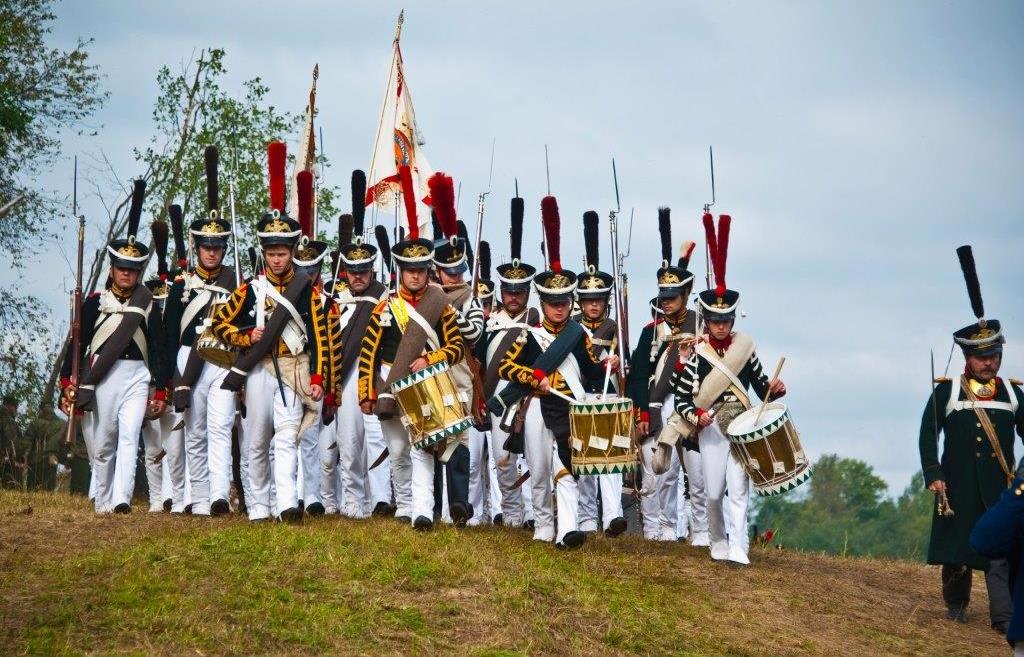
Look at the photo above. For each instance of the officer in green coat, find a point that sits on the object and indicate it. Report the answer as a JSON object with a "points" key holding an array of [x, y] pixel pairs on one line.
{"points": [[977, 414]]}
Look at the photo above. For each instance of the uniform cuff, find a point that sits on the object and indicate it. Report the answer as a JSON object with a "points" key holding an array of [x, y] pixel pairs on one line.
{"points": [[679, 367], [65, 381], [316, 380], [539, 374], [645, 416], [160, 394], [933, 473], [699, 412], [331, 400]]}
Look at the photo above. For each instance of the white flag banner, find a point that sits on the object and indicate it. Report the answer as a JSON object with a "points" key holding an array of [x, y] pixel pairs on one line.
{"points": [[305, 156], [398, 144]]}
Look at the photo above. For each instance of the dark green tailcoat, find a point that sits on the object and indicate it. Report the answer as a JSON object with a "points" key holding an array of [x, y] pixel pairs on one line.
{"points": [[973, 476]]}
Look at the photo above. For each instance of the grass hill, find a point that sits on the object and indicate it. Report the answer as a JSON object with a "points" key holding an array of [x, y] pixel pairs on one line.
{"points": [[75, 583]]}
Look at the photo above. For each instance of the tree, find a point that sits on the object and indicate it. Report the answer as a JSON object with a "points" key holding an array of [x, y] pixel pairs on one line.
{"points": [[844, 511], [44, 92]]}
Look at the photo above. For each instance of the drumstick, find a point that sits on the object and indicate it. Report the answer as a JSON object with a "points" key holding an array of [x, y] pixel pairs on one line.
{"points": [[552, 391], [767, 397], [607, 379]]}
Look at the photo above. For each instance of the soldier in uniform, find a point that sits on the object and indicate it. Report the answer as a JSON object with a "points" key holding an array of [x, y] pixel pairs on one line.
{"points": [[156, 429], [504, 327], [547, 366], [209, 410], [978, 414], [664, 345], [707, 399], [278, 322], [355, 438], [397, 343], [122, 354], [593, 291]]}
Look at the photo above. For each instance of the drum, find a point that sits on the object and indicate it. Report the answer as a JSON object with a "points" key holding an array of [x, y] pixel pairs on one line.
{"points": [[433, 408], [769, 449], [214, 350], [601, 436]]}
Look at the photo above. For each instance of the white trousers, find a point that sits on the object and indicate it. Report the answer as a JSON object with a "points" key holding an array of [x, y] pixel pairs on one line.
{"points": [[546, 470], [113, 429], [271, 421], [309, 461], [343, 448], [397, 438], [727, 517], [493, 493], [507, 472], [480, 476], [208, 435], [609, 487], [166, 476]]}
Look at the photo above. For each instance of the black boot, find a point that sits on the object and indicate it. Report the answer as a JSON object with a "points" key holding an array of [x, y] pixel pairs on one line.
{"points": [[292, 516], [498, 521], [956, 613], [423, 524], [315, 509], [461, 512], [123, 508], [220, 508], [571, 541], [167, 506], [385, 509], [615, 527]]}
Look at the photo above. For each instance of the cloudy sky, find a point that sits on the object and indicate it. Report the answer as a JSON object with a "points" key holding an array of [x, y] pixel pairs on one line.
{"points": [[856, 145]]}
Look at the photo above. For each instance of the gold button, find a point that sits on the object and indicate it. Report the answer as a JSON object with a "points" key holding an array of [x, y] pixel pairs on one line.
{"points": [[979, 439], [978, 424], [1016, 492], [977, 454]]}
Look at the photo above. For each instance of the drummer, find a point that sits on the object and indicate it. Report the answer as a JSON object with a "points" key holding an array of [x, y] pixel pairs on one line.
{"points": [[394, 345], [710, 401], [593, 291], [551, 362]]}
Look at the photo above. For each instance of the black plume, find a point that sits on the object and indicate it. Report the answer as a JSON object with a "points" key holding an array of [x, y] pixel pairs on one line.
{"points": [[253, 262], [135, 212], [384, 244], [211, 158], [345, 230], [178, 229], [159, 231], [971, 278], [436, 226], [358, 201], [665, 229], [485, 261], [590, 222], [516, 229], [464, 236]]}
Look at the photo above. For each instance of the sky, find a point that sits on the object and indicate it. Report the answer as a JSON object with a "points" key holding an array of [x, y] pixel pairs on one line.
{"points": [[856, 146]]}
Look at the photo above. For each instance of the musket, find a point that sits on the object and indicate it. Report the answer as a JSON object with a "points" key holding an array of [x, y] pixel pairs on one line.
{"points": [[480, 226], [76, 313], [234, 229], [619, 278]]}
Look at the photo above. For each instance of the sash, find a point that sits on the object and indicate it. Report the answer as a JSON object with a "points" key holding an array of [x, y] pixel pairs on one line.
{"points": [[990, 431], [415, 335], [603, 336], [355, 327], [721, 378], [110, 348], [181, 386], [496, 352], [548, 360], [279, 318]]}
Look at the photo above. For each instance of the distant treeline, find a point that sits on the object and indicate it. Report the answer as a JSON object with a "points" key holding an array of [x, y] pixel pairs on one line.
{"points": [[844, 510]]}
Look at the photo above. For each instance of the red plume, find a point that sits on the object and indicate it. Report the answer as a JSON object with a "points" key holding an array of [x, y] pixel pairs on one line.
{"points": [[442, 195], [551, 221], [277, 153], [409, 197], [724, 221], [304, 187], [709, 233]]}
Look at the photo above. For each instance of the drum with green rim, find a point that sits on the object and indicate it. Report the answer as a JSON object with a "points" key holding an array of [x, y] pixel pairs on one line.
{"points": [[601, 436], [769, 449], [433, 408]]}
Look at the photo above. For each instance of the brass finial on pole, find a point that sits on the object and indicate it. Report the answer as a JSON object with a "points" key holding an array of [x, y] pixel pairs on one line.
{"points": [[398, 28]]}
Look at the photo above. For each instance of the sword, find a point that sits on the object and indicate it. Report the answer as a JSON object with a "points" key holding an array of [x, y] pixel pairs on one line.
{"points": [[380, 459], [277, 373], [522, 480]]}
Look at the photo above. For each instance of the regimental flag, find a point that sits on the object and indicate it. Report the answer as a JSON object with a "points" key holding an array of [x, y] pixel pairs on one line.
{"points": [[398, 167], [305, 156]]}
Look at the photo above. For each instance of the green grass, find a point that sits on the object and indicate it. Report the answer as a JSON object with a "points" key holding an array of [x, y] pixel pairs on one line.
{"points": [[73, 583]]}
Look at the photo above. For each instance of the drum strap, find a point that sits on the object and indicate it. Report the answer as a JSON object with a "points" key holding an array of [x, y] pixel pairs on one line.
{"points": [[569, 367], [275, 325], [505, 330], [736, 386], [355, 324], [415, 335]]}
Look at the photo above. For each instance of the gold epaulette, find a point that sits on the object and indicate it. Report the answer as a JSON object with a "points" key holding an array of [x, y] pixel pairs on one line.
{"points": [[1017, 382], [381, 305], [942, 379]]}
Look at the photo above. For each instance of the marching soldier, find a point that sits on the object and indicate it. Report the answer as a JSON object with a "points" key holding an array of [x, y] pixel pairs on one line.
{"points": [[278, 322], [351, 442], [664, 345], [208, 409], [156, 429], [412, 329], [121, 351], [451, 262], [711, 391], [309, 260], [504, 327], [978, 414], [593, 291], [548, 366]]}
